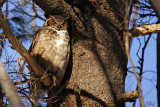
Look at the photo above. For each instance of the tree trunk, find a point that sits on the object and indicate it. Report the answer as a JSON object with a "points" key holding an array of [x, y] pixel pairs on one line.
{"points": [[99, 60], [9, 88]]}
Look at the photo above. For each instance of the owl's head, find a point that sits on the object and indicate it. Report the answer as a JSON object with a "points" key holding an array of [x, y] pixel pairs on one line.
{"points": [[57, 21]]}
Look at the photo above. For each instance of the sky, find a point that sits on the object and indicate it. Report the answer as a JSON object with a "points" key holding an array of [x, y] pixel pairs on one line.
{"points": [[149, 77]]}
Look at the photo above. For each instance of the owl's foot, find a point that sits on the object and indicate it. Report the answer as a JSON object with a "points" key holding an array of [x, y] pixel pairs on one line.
{"points": [[54, 80]]}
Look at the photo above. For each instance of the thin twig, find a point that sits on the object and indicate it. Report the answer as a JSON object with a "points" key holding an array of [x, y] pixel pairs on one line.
{"points": [[126, 41], [141, 62], [17, 45], [134, 20]]}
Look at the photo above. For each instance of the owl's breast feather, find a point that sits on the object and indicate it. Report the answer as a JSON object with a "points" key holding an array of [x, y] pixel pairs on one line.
{"points": [[62, 48], [63, 38], [52, 50]]}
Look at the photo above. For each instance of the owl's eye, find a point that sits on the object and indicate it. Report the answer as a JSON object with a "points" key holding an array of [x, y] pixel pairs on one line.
{"points": [[51, 22]]}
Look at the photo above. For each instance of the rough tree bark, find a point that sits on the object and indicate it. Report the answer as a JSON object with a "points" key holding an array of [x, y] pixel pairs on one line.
{"points": [[98, 57], [99, 60]]}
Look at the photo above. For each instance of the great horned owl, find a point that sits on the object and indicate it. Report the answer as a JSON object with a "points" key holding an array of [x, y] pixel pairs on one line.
{"points": [[51, 48]]}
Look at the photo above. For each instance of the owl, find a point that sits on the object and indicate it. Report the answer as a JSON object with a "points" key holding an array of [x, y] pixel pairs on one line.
{"points": [[51, 47]]}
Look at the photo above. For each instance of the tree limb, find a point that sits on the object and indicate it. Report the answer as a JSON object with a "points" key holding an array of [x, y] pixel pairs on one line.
{"points": [[17, 45], [54, 6], [130, 96], [126, 42], [145, 29], [9, 88]]}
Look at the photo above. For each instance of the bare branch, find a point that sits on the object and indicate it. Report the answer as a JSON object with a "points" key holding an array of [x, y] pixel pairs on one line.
{"points": [[135, 14], [145, 29], [17, 45], [134, 20], [126, 42], [130, 96], [9, 88], [54, 6]]}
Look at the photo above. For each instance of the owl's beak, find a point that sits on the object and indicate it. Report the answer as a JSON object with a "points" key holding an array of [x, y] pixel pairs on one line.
{"points": [[59, 27]]}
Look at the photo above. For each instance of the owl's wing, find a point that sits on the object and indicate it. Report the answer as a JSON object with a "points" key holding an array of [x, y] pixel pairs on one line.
{"points": [[34, 41]]}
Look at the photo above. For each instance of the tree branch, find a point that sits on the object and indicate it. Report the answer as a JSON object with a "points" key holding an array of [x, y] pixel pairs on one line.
{"points": [[54, 6], [130, 96], [9, 88], [126, 42], [145, 29], [17, 45]]}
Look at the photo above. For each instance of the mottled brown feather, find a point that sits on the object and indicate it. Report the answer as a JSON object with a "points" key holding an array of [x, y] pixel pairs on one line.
{"points": [[51, 47]]}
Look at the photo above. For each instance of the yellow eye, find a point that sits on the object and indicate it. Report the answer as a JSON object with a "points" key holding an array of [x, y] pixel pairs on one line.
{"points": [[51, 22]]}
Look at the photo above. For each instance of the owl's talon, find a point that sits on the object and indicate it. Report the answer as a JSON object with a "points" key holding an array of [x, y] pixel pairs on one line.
{"points": [[54, 80]]}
